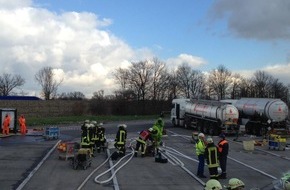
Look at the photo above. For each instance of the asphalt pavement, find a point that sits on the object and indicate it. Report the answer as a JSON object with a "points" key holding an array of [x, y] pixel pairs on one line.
{"points": [[32, 162]]}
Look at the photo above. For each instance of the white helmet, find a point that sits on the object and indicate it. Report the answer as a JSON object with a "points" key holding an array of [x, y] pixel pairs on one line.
{"points": [[94, 122], [285, 180], [122, 125], [213, 184], [234, 183], [286, 185], [209, 140], [201, 135]]}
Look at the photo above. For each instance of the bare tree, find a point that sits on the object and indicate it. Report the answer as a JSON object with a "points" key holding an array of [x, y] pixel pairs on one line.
{"points": [[236, 84], [46, 78], [9, 82], [262, 82], [219, 81], [246, 88], [121, 76], [72, 96], [278, 90], [99, 95], [159, 80], [190, 82], [183, 76], [173, 90], [139, 78]]}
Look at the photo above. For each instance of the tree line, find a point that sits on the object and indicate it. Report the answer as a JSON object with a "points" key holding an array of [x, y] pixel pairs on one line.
{"points": [[152, 80]]}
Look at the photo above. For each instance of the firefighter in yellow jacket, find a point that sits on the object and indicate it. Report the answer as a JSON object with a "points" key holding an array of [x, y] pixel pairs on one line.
{"points": [[200, 149]]}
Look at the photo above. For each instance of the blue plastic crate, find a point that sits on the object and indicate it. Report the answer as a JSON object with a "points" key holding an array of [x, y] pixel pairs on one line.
{"points": [[51, 133], [276, 145]]}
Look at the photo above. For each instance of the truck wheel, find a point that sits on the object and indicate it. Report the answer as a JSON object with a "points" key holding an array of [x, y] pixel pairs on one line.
{"points": [[206, 129], [200, 128], [185, 125], [211, 131], [173, 123]]}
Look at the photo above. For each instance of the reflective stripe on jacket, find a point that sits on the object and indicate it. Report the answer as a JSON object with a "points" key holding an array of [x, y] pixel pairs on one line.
{"points": [[212, 156], [121, 137]]}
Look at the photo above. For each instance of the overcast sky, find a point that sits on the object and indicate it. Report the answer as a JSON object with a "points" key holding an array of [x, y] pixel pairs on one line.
{"points": [[85, 40]]}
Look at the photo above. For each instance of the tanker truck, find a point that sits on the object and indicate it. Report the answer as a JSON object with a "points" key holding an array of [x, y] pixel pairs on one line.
{"points": [[259, 115], [209, 117]]}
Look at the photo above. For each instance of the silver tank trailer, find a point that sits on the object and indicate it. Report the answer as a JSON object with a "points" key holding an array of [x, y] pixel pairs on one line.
{"points": [[274, 109], [223, 112]]}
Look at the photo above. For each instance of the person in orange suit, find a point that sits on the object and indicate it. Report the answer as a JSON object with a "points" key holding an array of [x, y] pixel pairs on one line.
{"points": [[22, 124], [6, 124]]}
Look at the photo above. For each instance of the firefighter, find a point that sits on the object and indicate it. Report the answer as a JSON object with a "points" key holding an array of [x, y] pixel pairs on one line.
{"points": [[200, 148], [120, 140], [6, 124], [235, 184], [156, 136], [84, 127], [101, 139], [213, 184], [93, 134], [85, 140], [223, 148], [142, 141], [160, 124], [85, 143], [22, 124], [211, 156]]}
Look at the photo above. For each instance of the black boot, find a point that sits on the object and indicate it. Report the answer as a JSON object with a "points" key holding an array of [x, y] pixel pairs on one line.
{"points": [[223, 176]]}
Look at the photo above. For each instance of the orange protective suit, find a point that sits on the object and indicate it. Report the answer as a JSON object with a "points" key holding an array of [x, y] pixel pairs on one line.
{"points": [[6, 124], [22, 124]]}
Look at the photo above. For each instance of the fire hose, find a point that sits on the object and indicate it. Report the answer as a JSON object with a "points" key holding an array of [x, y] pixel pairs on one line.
{"points": [[170, 154], [131, 154]]}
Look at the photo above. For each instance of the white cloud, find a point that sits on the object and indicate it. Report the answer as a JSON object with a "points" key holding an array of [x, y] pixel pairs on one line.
{"points": [[72, 43], [279, 71], [192, 61], [12, 4], [259, 19]]}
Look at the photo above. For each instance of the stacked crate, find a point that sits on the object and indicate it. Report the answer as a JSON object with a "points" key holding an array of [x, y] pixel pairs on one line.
{"points": [[275, 142]]}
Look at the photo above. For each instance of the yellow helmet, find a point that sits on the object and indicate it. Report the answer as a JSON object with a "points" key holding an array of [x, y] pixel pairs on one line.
{"points": [[213, 184], [234, 183]]}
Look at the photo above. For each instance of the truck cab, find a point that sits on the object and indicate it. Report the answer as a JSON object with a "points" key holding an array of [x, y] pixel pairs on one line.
{"points": [[178, 111]]}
